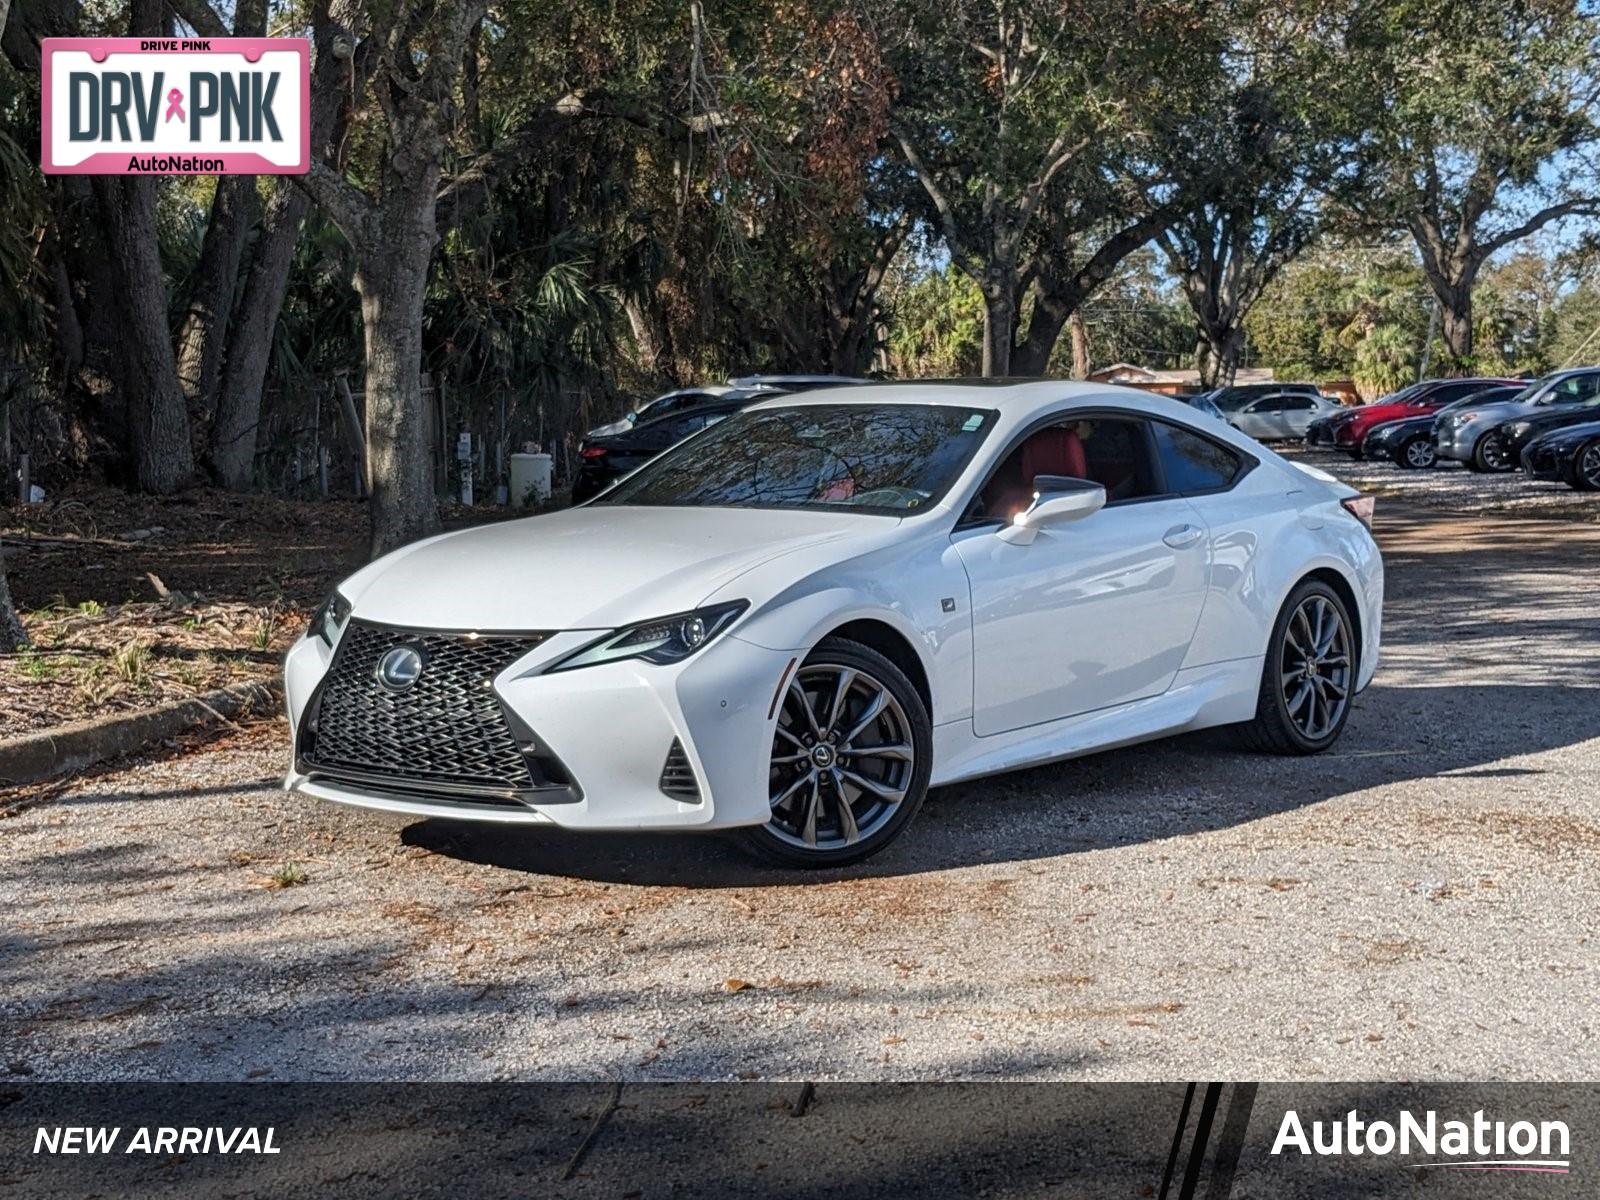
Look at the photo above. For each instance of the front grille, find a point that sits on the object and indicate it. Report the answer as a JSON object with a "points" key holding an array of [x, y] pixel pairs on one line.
{"points": [[677, 776], [446, 728]]}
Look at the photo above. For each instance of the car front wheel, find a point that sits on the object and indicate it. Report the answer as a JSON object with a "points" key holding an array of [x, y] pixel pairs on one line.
{"points": [[1586, 468], [1493, 455], [850, 761], [1309, 677], [1418, 454]]}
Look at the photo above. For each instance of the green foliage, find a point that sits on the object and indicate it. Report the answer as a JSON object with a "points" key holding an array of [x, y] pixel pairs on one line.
{"points": [[937, 321], [1357, 313], [1572, 330]]}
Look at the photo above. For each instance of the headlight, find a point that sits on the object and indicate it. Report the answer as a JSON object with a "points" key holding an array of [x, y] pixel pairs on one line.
{"points": [[661, 641], [328, 621]]}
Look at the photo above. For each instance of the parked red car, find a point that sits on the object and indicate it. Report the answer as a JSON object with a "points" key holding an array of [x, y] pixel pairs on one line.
{"points": [[1347, 430]]}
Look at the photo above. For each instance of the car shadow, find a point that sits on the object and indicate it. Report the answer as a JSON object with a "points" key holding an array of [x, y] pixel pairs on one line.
{"points": [[1139, 794]]}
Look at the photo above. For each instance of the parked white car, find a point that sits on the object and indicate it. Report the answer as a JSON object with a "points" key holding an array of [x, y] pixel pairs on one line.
{"points": [[797, 621], [1280, 415]]}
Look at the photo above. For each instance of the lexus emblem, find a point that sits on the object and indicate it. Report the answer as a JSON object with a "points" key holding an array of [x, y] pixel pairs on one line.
{"points": [[400, 668]]}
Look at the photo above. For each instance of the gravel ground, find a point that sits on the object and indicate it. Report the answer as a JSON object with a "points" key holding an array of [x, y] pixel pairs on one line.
{"points": [[1418, 904], [1452, 487]]}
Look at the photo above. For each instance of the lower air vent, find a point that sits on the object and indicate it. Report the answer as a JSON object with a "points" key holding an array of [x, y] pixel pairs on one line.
{"points": [[677, 776]]}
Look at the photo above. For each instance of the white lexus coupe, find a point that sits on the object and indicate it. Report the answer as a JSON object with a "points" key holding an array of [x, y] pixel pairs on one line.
{"points": [[796, 622]]}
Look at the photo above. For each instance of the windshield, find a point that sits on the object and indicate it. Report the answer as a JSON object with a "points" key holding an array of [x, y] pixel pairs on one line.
{"points": [[892, 458]]}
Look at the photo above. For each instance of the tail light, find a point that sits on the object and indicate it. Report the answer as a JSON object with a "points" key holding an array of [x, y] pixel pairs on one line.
{"points": [[592, 452], [1360, 507]]}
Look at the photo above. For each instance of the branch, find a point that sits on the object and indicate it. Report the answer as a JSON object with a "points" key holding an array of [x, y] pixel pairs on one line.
{"points": [[346, 205], [199, 16], [466, 190], [1058, 156], [959, 248], [444, 63], [1585, 206]]}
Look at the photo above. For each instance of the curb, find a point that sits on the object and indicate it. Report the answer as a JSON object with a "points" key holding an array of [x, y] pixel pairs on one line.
{"points": [[67, 748]]}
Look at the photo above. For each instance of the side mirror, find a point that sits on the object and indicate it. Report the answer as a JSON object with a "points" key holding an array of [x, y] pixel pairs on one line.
{"points": [[1057, 500]]}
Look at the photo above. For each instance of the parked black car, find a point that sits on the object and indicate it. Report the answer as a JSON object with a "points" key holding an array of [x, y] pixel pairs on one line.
{"points": [[1409, 442], [1570, 454], [1517, 434], [663, 405], [605, 459]]}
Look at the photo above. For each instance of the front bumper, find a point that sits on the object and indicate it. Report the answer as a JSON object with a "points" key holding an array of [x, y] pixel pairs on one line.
{"points": [[1382, 443], [1542, 462], [1457, 442], [612, 727]]}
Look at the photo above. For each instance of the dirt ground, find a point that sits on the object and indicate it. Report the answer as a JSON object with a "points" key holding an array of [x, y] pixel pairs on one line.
{"points": [[133, 601], [1419, 903]]}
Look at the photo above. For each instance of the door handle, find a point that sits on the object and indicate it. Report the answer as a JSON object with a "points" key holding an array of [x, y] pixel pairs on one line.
{"points": [[1180, 537]]}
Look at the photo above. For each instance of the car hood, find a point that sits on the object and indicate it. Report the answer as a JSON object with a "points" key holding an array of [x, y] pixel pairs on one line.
{"points": [[1567, 436], [1399, 425], [1494, 414], [596, 567], [1384, 412]]}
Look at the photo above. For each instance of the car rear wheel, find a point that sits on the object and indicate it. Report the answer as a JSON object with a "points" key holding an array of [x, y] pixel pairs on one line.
{"points": [[1586, 468], [1417, 454], [1309, 677], [1493, 455], [851, 756]]}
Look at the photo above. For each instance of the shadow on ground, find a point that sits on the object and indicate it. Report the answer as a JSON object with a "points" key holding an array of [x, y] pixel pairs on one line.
{"points": [[1143, 793]]}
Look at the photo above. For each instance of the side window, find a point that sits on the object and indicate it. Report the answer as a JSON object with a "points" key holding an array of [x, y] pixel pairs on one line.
{"points": [[1270, 404], [1298, 404], [1111, 451], [1193, 463], [684, 426], [1116, 456]]}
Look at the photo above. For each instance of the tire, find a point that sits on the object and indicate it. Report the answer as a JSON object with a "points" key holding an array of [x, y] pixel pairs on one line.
{"points": [[809, 774], [1491, 457], [1417, 454], [1284, 723], [1586, 467], [1355, 455]]}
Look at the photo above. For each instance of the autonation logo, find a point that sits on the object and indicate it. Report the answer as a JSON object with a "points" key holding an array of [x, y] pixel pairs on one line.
{"points": [[1476, 1145]]}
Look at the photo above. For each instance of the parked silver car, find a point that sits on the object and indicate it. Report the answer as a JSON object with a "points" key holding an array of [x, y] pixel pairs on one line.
{"points": [[1280, 415]]}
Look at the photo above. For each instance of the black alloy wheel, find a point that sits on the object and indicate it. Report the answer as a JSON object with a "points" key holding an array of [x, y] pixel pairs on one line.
{"points": [[1586, 467], [1491, 454], [1309, 677]]}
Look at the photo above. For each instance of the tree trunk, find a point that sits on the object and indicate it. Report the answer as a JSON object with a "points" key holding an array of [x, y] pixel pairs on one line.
{"points": [[999, 321], [1455, 310], [1050, 314], [13, 636], [158, 418], [391, 279], [202, 334], [1080, 345], [233, 434], [1224, 347]]}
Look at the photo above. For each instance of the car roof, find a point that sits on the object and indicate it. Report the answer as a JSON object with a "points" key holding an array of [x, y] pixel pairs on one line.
{"points": [[1009, 396], [771, 381]]}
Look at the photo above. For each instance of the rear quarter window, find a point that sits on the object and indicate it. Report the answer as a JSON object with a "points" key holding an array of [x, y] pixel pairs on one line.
{"points": [[1193, 463]]}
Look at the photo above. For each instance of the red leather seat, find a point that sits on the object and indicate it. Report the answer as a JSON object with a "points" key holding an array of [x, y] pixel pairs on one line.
{"points": [[1053, 451]]}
